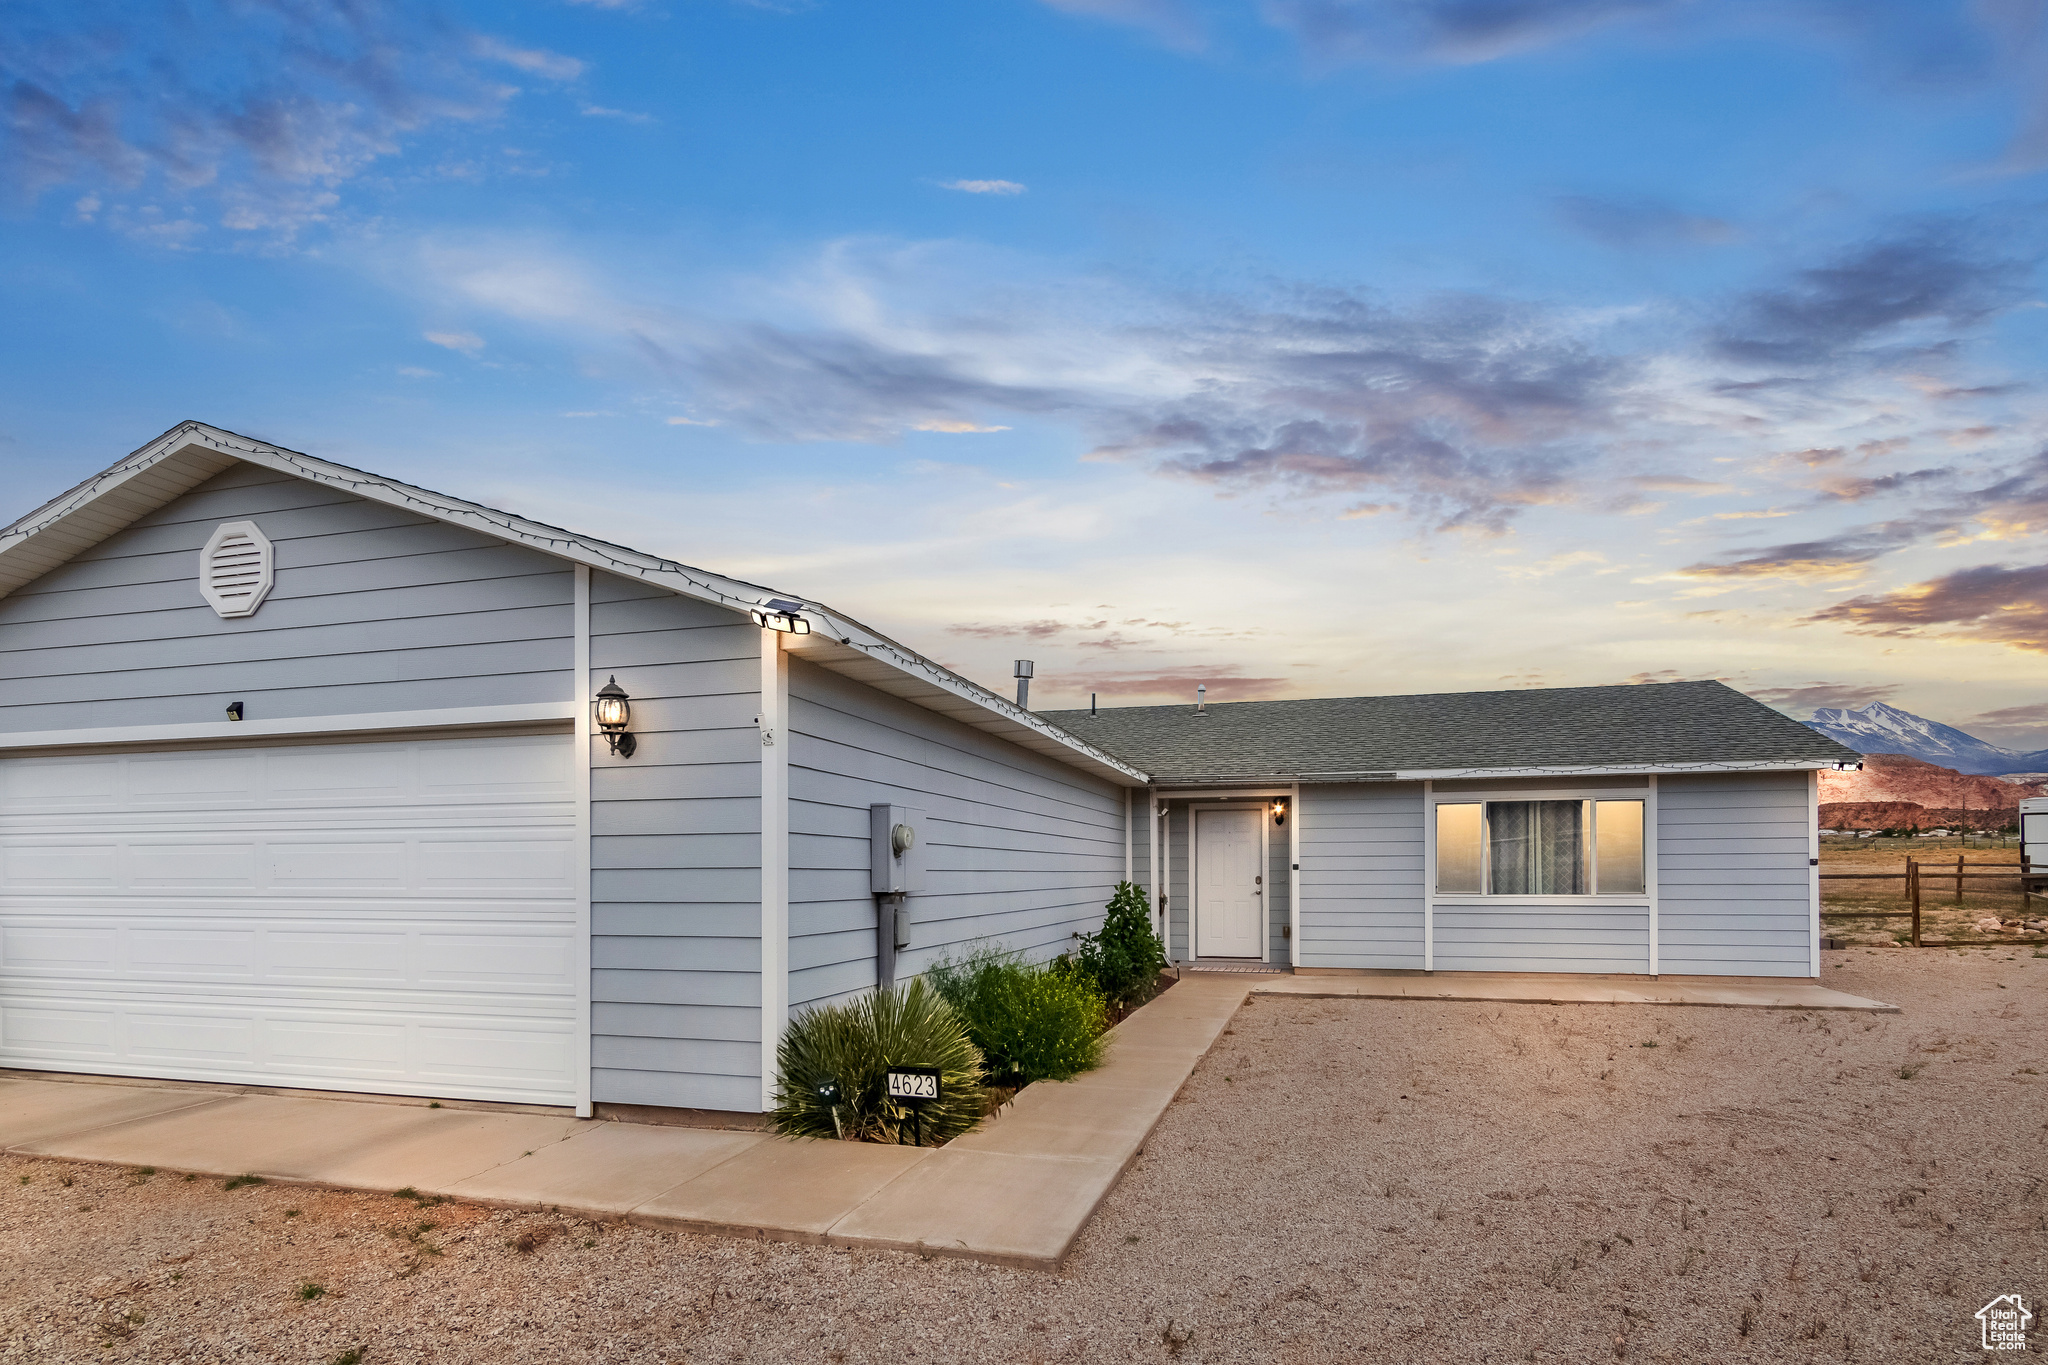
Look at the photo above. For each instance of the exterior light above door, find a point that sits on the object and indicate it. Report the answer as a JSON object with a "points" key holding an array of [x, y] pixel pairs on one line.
{"points": [[1280, 811], [780, 613], [614, 713]]}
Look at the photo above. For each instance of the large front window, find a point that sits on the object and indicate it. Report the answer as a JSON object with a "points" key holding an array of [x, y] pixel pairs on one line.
{"points": [[1539, 848]]}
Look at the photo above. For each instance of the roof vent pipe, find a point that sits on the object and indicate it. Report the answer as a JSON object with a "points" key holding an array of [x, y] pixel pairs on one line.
{"points": [[1201, 699], [1091, 703], [1022, 672]]}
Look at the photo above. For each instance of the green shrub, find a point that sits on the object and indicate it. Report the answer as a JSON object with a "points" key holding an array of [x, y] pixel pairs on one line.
{"points": [[848, 1047], [1031, 1023], [1125, 957]]}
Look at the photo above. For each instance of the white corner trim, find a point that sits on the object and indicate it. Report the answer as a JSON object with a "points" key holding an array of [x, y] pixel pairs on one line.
{"points": [[1652, 835], [774, 857], [237, 568], [1813, 868], [454, 717], [1294, 950], [1127, 833], [579, 689], [1428, 878]]}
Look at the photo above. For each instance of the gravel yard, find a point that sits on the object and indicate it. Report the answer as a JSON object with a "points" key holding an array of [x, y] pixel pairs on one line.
{"points": [[1341, 1181]]}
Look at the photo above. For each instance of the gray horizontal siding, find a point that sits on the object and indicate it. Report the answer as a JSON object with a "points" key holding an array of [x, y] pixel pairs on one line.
{"points": [[1734, 895], [1022, 850], [1542, 939], [1361, 875], [676, 855], [374, 609]]}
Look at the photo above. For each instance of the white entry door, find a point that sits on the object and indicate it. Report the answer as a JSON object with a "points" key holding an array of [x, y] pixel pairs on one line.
{"points": [[393, 917], [1230, 899]]}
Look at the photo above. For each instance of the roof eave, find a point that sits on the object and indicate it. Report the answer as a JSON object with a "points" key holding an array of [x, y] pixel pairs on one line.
{"points": [[1464, 774]]}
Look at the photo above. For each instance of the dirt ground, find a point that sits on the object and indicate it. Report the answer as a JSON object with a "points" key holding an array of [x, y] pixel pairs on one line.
{"points": [[1341, 1181]]}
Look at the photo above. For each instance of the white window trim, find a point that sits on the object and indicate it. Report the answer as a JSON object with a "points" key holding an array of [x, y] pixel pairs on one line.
{"points": [[266, 575], [1432, 898]]}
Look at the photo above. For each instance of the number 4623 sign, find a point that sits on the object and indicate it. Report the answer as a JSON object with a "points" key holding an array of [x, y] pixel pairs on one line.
{"points": [[915, 1084]]}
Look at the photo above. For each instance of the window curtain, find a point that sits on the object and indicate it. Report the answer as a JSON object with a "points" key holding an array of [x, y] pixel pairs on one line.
{"points": [[1537, 848]]}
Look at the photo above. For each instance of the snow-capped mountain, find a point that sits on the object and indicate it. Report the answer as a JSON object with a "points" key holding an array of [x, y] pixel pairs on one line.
{"points": [[1881, 729]]}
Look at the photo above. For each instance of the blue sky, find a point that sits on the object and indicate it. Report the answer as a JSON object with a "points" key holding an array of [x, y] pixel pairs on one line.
{"points": [[1303, 347]]}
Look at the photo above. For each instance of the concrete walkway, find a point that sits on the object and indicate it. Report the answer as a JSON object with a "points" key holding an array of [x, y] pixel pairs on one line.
{"points": [[1016, 1192], [1543, 988]]}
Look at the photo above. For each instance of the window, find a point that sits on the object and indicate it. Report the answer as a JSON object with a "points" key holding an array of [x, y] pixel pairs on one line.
{"points": [[1539, 848]]}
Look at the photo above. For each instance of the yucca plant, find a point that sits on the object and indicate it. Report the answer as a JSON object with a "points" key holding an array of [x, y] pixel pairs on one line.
{"points": [[1031, 1023], [832, 1057]]}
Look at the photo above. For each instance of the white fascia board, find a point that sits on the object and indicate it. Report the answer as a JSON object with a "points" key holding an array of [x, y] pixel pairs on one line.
{"points": [[445, 718], [1457, 774], [931, 685]]}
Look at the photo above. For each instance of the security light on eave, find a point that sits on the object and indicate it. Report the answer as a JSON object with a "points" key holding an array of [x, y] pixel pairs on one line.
{"points": [[783, 614]]}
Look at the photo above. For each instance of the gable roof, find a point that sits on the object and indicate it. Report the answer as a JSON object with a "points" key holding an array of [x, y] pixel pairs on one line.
{"points": [[193, 452], [1685, 726]]}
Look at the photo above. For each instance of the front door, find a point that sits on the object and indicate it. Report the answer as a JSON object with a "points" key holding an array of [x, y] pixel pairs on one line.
{"points": [[1230, 899]]}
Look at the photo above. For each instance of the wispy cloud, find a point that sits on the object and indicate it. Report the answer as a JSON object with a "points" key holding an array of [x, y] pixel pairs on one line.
{"points": [[1457, 31], [1803, 699], [954, 427], [535, 61], [997, 187], [1992, 603], [1641, 223], [1174, 23], [264, 118], [1941, 278], [622, 115], [469, 343]]}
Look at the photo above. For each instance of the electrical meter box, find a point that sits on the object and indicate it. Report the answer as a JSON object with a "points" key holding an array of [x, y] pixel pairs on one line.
{"points": [[897, 849]]}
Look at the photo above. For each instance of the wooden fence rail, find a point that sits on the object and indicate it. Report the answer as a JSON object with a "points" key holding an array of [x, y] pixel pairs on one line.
{"points": [[2032, 886]]}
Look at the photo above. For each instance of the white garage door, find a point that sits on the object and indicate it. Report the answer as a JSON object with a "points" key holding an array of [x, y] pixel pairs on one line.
{"points": [[392, 917]]}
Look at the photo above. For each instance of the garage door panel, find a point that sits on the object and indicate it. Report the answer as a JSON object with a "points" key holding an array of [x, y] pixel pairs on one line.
{"points": [[336, 957], [502, 1054], [195, 1038], [38, 784], [210, 953], [527, 867], [61, 864], [330, 1046], [395, 916], [205, 775], [29, 1031], [326, 775], [59, 948], [495, 960], [503, 770], [339, 863], [215, 866]]}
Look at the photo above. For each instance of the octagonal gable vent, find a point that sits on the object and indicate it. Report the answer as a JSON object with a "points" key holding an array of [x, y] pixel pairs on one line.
{"points": [[235, 568]]}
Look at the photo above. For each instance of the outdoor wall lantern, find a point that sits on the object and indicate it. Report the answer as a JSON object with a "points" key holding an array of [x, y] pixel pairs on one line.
{"points": [[779, 613], [614, 712], [234, 710], [1280, 811]]}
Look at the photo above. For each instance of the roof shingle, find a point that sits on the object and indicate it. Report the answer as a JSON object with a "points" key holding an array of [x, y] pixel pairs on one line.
{"points": [[1649, 726]]}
